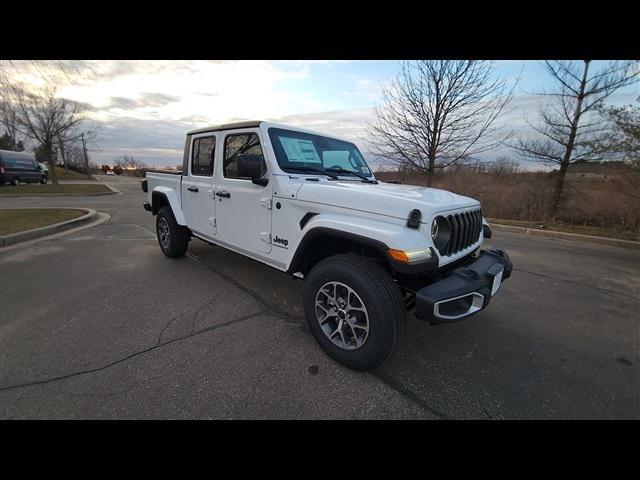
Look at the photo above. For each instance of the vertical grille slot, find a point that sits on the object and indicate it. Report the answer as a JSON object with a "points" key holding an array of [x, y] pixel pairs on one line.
{"points": [[465, 231]]}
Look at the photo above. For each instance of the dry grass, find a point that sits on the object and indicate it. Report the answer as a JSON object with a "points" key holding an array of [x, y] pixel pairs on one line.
{"points": [[611, 207], [570, 228], [66, 189], [71, 175], [21, 219]]}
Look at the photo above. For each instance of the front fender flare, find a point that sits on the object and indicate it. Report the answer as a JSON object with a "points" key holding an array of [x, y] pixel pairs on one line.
{"points": [[375, 233]]}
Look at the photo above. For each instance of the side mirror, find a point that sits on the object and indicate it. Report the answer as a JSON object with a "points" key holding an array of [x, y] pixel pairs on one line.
{"points": [[252, 166]]}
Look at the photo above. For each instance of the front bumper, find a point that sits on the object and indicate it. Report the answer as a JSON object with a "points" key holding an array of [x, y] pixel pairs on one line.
{"points": [[466, 290]]}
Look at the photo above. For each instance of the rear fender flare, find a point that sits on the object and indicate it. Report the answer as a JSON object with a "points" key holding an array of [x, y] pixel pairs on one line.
{"points": [[161, 195]]}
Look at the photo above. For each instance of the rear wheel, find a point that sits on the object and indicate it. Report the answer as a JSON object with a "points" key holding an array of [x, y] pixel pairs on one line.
{"points": [[15, 181], [172, 238], [355, 310]]}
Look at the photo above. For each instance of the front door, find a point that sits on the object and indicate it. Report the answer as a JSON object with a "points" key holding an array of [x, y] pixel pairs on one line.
{"points": [[198, 200], [243, 208]]}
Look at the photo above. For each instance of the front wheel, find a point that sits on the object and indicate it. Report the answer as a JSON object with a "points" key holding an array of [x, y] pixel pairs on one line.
{"points": [[172, 238], [355, 310], [43, 179]]}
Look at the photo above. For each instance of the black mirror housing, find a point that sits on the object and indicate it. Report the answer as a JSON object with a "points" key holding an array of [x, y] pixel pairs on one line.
{"points": [[263, 182], [251, 166]]}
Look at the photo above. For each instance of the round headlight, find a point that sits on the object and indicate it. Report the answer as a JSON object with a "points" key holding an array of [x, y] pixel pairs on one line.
{"points": [[440, 232]]}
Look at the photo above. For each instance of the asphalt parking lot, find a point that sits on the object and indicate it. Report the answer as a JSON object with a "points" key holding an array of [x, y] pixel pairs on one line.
{"points": [[99, 324]]}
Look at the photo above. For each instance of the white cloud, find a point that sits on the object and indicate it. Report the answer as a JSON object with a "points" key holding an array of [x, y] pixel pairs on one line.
{"points": [[211, 90], [144, 108]]}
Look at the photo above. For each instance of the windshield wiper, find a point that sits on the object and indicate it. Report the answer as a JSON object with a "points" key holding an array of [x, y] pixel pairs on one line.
{"points": [[359, 175], [314, 170]]}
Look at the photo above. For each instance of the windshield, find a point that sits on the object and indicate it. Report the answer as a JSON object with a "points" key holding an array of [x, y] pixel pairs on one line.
{"points": [[308, 153]]}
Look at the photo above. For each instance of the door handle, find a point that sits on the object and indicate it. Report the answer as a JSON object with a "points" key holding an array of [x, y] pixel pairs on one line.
{"points": [[223, 194], [193, 189]]}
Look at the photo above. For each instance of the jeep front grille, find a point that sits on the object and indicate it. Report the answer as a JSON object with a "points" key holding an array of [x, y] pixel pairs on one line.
{"points": [[465, 231]]}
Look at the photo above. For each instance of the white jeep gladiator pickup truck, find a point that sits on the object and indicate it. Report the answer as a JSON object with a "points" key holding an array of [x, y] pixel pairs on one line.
{"points": [[309, 205]]}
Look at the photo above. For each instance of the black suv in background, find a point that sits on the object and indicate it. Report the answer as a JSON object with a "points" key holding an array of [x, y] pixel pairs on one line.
{"points": [[20, 167]]}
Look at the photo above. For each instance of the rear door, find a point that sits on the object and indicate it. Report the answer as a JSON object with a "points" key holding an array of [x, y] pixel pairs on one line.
{"points": [[243, 208], [198, 204], [35, 174]]}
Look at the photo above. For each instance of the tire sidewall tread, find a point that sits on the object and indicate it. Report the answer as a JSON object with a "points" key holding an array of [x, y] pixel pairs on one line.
{"points": [[179, 236], [382, 297]]}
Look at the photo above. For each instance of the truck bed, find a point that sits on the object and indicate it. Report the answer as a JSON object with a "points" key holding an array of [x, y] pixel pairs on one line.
{"points": [[168, 179], [170, 172]]}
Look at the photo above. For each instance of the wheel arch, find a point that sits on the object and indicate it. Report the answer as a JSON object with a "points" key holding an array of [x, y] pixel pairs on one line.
{"points": [[319, 243], [162, 196], [324, 235]]}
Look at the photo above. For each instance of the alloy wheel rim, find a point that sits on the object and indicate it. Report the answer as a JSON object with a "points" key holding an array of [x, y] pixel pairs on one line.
{"points": [[163, 233], [342, 315]]}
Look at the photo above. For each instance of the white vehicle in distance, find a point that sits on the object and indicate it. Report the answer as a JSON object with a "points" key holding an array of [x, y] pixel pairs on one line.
{"points": [[308, 204]]}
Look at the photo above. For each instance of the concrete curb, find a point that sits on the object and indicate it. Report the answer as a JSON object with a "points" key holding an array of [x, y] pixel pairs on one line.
{"points": [[47, 230], [95, 194], [616, 242], [98, 219], [113, 189]]}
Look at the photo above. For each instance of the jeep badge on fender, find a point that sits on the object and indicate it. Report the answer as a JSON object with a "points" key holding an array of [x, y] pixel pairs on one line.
{"points": [[368, 251], [281, 241]]}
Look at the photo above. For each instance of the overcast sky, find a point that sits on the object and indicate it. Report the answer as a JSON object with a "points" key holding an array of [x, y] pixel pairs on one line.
{"points": [[144, 108]]}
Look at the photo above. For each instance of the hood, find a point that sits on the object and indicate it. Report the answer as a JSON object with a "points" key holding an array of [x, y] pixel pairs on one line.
{"points": [[384, 198]]}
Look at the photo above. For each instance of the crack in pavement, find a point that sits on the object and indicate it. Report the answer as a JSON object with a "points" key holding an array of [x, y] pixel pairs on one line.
{"points": [[399, 387], [268, 307], [386, 378], [606, 290], [195, 315], [137, 385], [132, 355], [288, 317], [165, 327]]}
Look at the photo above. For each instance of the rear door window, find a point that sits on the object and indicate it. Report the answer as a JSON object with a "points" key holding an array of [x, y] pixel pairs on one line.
{"points": [[202, 156]]}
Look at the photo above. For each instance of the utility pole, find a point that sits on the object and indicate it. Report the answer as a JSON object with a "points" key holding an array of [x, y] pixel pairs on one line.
{"points": [[64, 157], [84, 152]]}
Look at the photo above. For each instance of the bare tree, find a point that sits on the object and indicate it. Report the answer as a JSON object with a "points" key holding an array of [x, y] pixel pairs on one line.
{"points": [[47, 72], [622, 139], [566, 132], [503, 166], [437, 113], [8, 121], [51, 72], [70, 145], [130, 165], [43, 117], [130, 162]]}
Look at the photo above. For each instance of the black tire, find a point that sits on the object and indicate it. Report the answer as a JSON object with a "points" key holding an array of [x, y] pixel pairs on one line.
{"points": [[15, 181], [175, 244], [43, 180], [385, 307]]}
